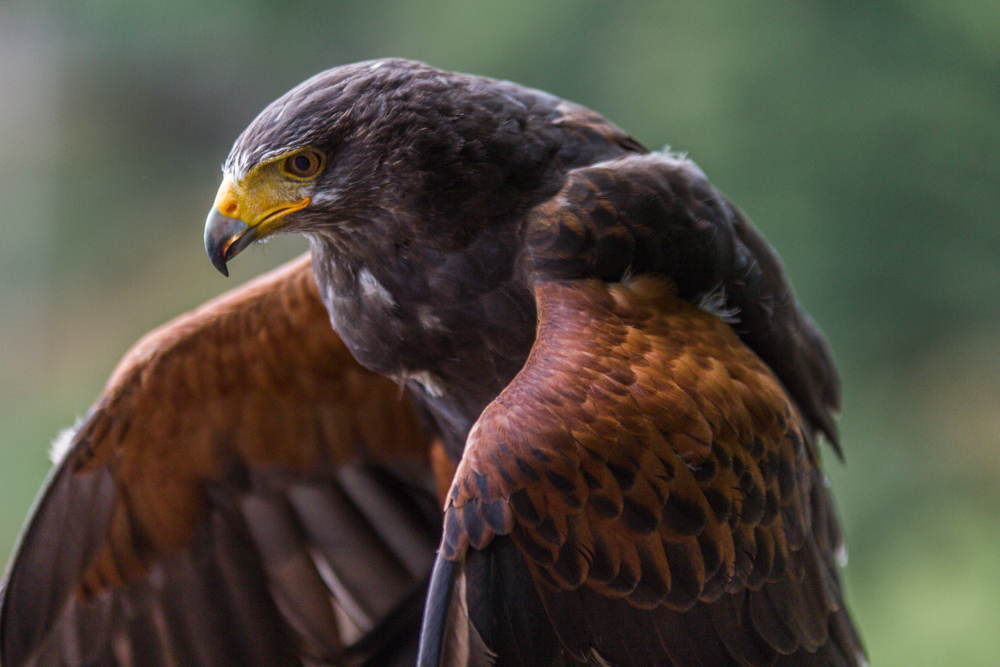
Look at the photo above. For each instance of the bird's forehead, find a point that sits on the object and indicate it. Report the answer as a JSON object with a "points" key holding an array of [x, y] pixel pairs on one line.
{"points": [[292, 121], [308, 113]]}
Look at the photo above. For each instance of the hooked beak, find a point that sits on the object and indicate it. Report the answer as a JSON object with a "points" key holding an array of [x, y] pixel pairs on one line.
{"points": [[225, 238], [237, 220]]}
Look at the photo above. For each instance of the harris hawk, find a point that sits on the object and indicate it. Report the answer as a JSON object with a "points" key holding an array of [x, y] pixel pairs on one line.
{"points": [[578, 348]]}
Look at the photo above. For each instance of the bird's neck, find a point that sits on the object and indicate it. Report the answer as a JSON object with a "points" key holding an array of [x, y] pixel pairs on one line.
{"points": [[454, 326]]}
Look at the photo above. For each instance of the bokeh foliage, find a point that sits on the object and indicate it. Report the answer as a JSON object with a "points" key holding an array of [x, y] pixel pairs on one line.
{"points": [[862, 137]]}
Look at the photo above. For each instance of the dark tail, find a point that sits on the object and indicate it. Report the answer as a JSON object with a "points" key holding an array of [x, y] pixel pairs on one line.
{"points": [[485, 610], [448, 636]]}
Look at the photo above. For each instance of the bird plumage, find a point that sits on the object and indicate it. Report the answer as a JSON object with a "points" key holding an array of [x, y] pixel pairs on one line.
{"points": [[220, 482], [628, 479]]}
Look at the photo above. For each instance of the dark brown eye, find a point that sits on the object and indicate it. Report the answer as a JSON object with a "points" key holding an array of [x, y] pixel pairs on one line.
{"points": [[303, 165]]}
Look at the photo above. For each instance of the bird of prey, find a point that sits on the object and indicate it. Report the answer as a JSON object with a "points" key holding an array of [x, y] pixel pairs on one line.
{"points": [[567, 413]]}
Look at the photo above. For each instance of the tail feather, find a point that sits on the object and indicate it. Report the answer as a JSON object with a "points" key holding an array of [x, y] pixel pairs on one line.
{"points": [[484, 609], [448, 636]]}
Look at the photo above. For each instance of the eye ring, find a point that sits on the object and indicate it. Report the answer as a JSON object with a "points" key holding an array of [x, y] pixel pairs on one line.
{"points": [[304, 164]]}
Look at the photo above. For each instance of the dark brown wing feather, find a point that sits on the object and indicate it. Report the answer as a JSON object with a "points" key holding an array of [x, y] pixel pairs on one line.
{"points": [[656, 478], [658, 214], [242, 492], [652, 469]]}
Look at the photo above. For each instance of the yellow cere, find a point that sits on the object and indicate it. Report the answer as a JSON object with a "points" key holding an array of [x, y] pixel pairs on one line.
{"points": [[263, 196]]}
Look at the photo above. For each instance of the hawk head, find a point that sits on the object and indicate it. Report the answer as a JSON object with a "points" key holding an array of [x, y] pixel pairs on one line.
{"points": [[420, 155]]}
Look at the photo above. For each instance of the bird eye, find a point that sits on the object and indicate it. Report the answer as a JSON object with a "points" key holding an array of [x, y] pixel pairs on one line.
{"points": [[303, 165]]}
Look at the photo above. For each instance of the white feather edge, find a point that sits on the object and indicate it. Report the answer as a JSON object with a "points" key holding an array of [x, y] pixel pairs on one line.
{"points": [[63, 442]]}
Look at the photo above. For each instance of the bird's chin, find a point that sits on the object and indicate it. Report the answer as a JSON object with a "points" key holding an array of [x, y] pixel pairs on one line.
{"points": [[331, 236]]}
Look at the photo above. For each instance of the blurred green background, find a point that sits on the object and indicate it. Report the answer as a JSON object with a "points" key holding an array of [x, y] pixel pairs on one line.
{"points": [[862, 137]]}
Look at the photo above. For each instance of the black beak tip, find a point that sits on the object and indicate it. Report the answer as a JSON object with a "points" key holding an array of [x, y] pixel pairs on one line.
{"points": [[225, 238], [219, 262]]}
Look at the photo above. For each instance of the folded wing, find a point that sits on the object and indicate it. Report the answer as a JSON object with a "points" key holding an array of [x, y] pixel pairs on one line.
{"points": [[647, 490]]}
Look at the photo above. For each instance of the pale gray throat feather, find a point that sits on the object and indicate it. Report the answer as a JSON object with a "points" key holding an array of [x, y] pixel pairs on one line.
{"points": [[373, 291]]}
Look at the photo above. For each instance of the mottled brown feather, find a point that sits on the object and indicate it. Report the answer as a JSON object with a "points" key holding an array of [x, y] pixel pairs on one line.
{"points": [[227, 443], [258, 400], [647, 455], [697, 390]]}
